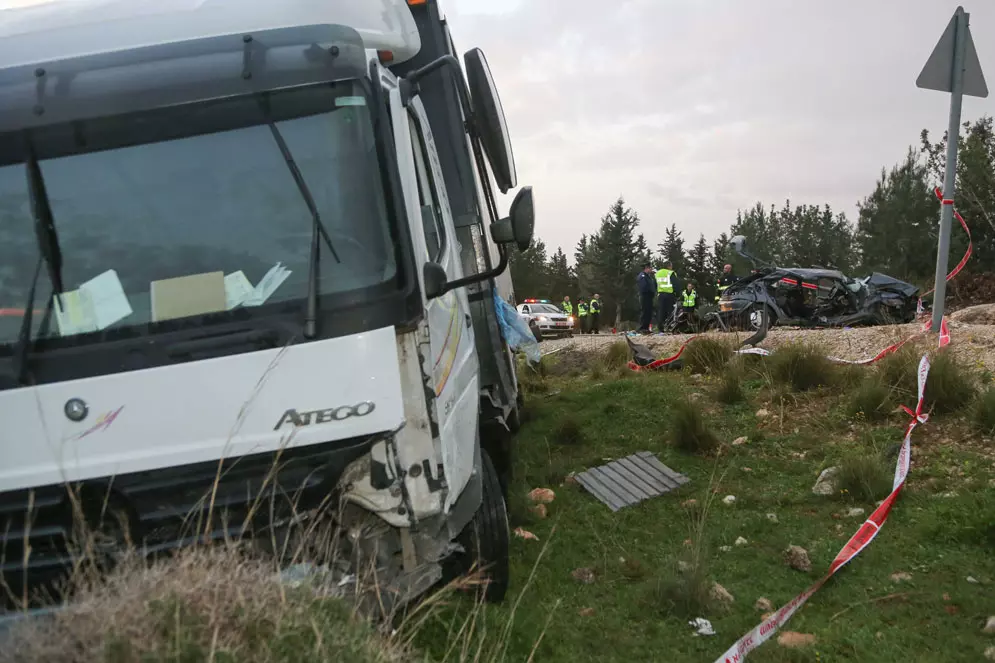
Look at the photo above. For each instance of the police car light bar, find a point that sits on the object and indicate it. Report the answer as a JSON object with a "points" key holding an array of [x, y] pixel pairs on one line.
{"points": [[536, 301]]}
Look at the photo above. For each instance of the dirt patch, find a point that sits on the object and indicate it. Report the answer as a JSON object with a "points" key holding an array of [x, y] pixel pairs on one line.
{"points": [[972, 343], [975, 315]]}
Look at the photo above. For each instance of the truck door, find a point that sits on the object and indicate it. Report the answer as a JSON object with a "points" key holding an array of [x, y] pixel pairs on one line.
{"points": [[453, 359]]}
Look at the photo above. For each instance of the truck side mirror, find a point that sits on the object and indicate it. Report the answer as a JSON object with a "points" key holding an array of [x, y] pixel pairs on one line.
{"points": [[489, 121], [435, 280], [519, 225]]}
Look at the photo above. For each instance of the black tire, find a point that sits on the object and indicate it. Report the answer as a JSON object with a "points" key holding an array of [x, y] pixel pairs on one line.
{"points": [[536, 332], [486, 539], [757, 317]]}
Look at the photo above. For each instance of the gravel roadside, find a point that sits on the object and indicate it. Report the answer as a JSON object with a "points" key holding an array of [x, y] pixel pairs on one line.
{"points": [[969, 342]]}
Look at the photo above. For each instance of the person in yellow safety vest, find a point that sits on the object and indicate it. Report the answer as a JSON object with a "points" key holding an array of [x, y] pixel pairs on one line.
{"points": [[595, 314], [689, 300], [567, 305], [665, 294], [582, 315], [724, 281]]}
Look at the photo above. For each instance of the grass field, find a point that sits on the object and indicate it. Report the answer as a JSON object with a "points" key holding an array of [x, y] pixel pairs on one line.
{"points": [[941, 532]]}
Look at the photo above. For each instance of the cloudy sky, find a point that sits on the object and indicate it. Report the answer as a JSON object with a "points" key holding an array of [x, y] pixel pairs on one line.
{"points": [[693, 109]]}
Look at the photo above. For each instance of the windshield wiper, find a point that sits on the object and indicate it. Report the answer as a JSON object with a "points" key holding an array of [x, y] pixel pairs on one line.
{"points": [[311, 318], [50, 255]]}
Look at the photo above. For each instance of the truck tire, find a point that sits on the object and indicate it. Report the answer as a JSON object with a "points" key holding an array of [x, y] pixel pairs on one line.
{"points": [[486, 538], [536, 332]]}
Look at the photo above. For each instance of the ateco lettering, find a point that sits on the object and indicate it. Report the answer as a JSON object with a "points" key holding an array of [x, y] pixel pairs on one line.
{"points": [[326, 416]]}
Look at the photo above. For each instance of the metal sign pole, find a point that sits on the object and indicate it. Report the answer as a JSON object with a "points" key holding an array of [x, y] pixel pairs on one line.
{"points": [[950, 177], [952, 67]]}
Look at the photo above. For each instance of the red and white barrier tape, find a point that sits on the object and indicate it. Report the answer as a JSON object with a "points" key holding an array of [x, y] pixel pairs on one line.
{"points": [[767, 628], [967, 254]]}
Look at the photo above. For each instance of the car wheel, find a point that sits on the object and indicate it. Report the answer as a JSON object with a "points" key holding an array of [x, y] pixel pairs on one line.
{"points": [[486, 539], [758, 317]]}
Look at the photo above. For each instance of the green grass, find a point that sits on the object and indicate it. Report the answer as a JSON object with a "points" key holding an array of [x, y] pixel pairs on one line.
{"points": [[941, 530]]}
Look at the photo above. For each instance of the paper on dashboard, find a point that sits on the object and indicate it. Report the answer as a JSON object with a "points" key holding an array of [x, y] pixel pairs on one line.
{"points": [[273, 279], [95, 305], [237, 289]]}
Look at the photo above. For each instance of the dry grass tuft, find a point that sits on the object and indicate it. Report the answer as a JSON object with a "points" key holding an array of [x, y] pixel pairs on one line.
{"points": [[864, 477], [802, 367], [688, 431], [204, 604], [951, 385], [983, 412], [706, 354], [870, 400]]}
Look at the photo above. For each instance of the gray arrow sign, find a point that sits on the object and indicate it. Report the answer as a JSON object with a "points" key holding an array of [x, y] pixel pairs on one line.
{"points": [[938, 74], [953, 67]]}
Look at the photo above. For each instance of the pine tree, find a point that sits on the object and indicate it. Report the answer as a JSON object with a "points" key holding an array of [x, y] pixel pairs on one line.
{"points": [[616, 252], [672, 250], [896, 226], [529, 270], [561, 278], [699, 268]]}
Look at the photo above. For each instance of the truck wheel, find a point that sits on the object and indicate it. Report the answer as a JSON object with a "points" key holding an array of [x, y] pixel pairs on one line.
{"points": [[486, 538]]}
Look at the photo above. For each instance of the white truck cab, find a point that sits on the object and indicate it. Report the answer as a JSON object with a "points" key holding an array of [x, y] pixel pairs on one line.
{"points": [[248, 257]]}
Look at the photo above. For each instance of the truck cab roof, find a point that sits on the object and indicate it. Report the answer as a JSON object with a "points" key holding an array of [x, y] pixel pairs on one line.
{"points": [[62, 29]]}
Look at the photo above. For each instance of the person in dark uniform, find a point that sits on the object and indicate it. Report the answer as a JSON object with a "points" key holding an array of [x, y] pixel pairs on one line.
{"points": [[725, 280], [646, 284]]}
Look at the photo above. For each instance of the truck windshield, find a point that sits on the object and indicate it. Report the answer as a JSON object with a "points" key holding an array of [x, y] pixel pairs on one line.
{"points": [[192, 211]]}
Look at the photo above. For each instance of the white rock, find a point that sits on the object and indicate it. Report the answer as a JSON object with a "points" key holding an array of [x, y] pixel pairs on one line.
{"points": [[741, 541], [826, 483], [972, 580], [855, 512], [989, 628], [729, 500], [762, 414], [725, 548], [990, 653], [772, 517], [739, 441]]}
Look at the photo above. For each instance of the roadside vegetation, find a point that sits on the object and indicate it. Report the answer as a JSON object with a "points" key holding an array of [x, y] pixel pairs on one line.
{"points": [[753, 435]]}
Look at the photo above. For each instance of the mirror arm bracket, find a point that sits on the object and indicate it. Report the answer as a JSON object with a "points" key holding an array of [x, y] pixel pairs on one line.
{"points": [[409, 84], [481, 277]]}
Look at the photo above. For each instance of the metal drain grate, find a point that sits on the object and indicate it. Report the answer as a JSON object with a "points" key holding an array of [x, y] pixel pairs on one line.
{"points": [[630, 480]]}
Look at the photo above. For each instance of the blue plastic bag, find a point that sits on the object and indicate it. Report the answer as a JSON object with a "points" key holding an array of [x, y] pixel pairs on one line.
{"points": [[515, 330]]}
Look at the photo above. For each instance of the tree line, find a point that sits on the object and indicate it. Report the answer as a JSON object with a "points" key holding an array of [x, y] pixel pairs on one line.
{"points": [[895, 232]]}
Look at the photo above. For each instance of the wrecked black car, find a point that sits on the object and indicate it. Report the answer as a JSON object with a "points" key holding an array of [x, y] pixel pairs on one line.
{"points": [[812, 297]]}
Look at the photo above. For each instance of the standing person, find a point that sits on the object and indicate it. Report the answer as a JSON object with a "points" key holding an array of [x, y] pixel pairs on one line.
{"points": [[567, 305], [595, 327], [665, 278], [725, 280], [646, 284], [582, 315], [689, 299]]}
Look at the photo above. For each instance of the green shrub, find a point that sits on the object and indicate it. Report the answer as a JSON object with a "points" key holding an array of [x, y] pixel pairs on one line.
{"points": [[706, 354], [568, 433], [688, 431], [864, 477], [951, 385], [730, 389], [616, 356], [802, 367], [983, 412], [899, 372], [871, 400], [682, 593], [533, 378]]}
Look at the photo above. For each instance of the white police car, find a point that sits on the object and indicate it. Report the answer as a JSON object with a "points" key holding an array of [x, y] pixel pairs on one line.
{"points": [[546, 319]]}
